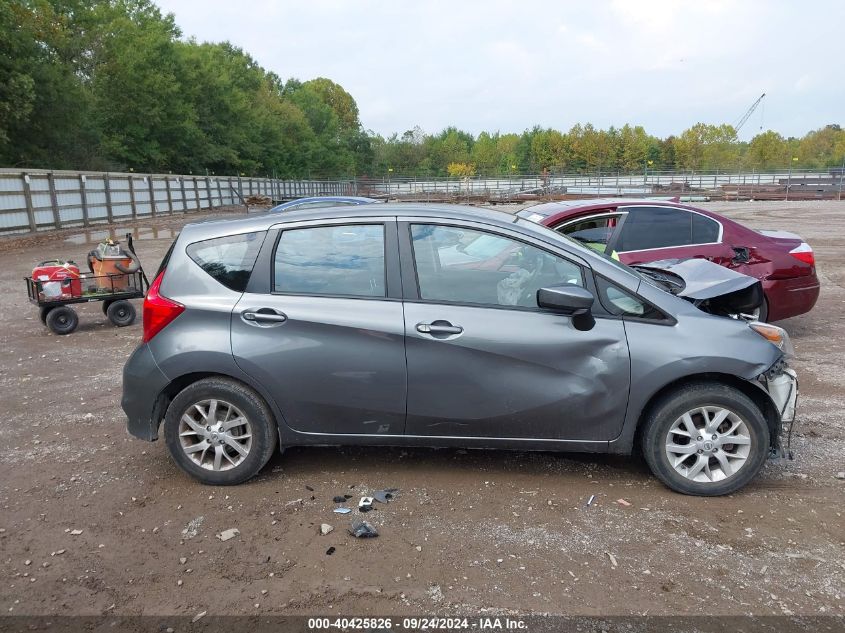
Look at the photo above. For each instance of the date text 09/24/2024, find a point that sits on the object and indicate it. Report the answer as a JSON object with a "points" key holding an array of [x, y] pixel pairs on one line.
{"points": [[418, 624]]}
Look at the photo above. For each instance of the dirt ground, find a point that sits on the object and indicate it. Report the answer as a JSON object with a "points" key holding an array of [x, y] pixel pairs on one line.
{"points": [[93, 521]]}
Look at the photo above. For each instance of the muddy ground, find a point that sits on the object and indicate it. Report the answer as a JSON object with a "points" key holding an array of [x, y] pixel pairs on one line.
{"points": [[93, 521]]}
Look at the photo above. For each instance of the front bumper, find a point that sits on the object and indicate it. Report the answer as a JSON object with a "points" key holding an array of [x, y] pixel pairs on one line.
{"points": [[783, 390], [782, 387], [143, 381]]}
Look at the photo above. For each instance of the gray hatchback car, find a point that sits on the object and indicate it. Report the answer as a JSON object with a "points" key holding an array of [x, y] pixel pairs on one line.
{"points": [[424, 325]]}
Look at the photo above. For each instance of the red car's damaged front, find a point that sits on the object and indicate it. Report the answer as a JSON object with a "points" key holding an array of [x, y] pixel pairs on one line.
{"points": [[642, 231]]}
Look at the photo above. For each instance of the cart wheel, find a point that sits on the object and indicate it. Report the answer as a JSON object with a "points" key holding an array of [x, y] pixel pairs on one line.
{"points": [[106, 305], [62, 320], [43, 312], [121, 313]]}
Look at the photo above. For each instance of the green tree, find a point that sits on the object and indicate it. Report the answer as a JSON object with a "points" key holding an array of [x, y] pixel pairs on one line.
{"points": [[768, 150], [706, 146], [340, 101], [485, 154]]}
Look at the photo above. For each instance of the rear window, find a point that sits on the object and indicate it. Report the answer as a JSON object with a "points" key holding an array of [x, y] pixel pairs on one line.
{"points": [[228, 259], [346, 260]]}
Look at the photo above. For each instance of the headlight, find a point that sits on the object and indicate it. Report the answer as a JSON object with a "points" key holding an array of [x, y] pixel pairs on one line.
{"points": [[776, 336]]}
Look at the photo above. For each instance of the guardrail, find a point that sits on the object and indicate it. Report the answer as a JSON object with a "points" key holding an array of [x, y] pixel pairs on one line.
{"points": [[35, 200]]}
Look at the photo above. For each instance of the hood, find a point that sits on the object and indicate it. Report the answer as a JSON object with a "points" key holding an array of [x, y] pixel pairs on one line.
{"points": [[712, 287]]}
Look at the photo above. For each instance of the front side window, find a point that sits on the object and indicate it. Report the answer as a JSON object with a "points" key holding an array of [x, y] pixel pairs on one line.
{"points": [[468, 266], [331, 260], [228, 259], [594, 232], [656, 227]]}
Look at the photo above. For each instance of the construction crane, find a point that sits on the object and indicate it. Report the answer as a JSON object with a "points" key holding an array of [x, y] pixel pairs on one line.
{"points": [[748, 113]]}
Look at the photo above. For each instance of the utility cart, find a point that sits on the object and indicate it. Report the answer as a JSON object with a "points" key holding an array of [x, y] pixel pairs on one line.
{"points": [[115, 276]]}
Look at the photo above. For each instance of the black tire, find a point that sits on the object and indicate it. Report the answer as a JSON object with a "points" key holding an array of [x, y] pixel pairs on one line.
{"points": [[262, 426], [105, 306], [121, 313], [43, 312], [62, 320], [675, 404]]}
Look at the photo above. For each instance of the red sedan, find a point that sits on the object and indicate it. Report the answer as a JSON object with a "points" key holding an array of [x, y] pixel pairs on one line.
{"points": [[641, 231]]}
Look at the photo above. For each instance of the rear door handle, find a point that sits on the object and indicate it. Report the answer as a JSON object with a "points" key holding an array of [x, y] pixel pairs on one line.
{"points": [[263, 316], [439, 327]]}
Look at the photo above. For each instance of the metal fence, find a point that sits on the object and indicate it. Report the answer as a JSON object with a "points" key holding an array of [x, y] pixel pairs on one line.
{"points": [[713, 184], [35, 200]]}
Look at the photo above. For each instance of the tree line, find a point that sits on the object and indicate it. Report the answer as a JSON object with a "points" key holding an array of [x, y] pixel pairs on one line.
{"points": [[112, 85]]}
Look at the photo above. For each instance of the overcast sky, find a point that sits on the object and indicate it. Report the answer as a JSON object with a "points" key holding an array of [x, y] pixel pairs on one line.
{"points": [[509, 65]]}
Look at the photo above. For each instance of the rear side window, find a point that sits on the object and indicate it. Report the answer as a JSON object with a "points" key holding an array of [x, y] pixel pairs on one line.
{"points": [[346, 260], [228, 259], [704, 229], [656, 227]]}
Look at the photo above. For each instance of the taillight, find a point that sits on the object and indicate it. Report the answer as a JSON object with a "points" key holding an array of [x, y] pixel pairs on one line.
{"points": [[159, 311], [804, 253]]}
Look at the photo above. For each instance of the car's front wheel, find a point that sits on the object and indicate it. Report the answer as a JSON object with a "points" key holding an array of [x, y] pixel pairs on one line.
{"points": [[705, 439], [220, 431]]}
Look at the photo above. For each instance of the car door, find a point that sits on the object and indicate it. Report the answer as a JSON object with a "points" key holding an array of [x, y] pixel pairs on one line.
{"points": [[321, 327], [484, 361], [652, 233]]}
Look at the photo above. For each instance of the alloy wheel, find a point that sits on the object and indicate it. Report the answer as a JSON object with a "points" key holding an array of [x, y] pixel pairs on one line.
{"points": [[708, 444], [215, 435]]}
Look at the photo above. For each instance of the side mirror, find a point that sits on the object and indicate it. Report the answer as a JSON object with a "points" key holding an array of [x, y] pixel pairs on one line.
{"points": [[571, 300], [567, 298]]}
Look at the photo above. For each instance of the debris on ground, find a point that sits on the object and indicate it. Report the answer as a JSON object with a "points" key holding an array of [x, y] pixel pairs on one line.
{"points": [[193, 527], [342, 510], [622, 502], [612, 559], [294, 504], [330, 551], [591, 500], [383, 496], [365, 504], [840, 475], [325, 528], [362, 529], [75, 532], [309, 488], [258, 201], [342, 498], [199, 616], [231, 533]]}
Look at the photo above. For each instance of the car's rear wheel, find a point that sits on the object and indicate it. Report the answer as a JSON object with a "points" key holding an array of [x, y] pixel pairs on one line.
{"points": [[705, 439], [219, 431]]}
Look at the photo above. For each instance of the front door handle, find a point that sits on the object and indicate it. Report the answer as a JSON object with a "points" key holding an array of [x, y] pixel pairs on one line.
{"points": [[263, 316], [439, 327]]}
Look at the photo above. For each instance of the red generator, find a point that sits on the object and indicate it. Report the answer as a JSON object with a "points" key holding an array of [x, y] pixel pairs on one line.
{"points": [[57, 280]]}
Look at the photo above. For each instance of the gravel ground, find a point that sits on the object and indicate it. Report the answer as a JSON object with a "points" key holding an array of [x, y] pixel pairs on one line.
{"points": [[93, 521]]}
